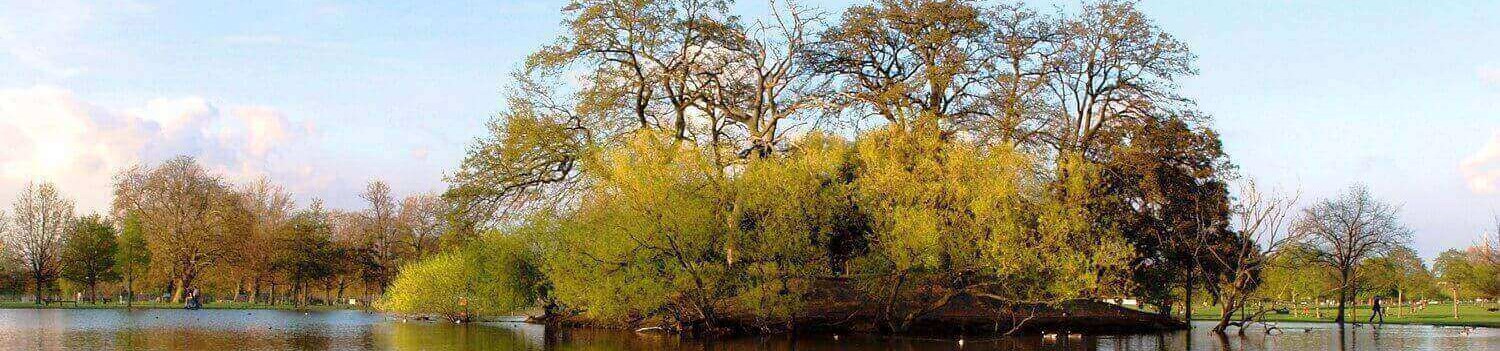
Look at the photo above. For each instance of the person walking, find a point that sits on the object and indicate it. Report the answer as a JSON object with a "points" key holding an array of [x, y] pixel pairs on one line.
{"points": [[1376, 311]]}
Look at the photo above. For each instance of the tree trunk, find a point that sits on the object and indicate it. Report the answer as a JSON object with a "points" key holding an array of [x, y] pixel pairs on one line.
{"points": [[1343, 294], [255, 291], [37, 278], [1400, 299], [129, 291], [1187, 299], [1225, 315]]}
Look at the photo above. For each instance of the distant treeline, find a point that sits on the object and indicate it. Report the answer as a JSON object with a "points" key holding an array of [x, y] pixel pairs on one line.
{"points": [[177, 226]]}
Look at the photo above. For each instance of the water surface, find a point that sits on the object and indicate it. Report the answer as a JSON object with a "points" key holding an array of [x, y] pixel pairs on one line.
{"points": [[221, 330]]}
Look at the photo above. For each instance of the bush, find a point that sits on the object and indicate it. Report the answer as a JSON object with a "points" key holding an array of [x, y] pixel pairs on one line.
{"points": [[492, 276]]}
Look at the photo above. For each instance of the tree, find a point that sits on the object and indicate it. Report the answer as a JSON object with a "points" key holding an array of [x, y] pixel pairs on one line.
{"points": [[901, 60], [1349, 229], [1167, 190], [1399, 272], [382, 246], [648, 238], [423, 219], [1295, 275], [40, 221], [307, 253], [1261, 222], [192, 220], [270, 208], [1484, 259], [947, 218], [89, 255], [133, 257], [1113, 65], [1457, 273]]}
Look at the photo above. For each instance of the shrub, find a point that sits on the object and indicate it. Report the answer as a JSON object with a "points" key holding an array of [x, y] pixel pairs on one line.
{"points": [[492, 276]]}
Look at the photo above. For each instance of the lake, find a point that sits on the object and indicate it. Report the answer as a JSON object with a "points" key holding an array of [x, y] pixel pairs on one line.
{"points": [[221, 330]]}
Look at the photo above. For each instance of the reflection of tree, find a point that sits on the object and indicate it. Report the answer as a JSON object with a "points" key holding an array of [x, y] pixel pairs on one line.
{"points": [[424, 336]]}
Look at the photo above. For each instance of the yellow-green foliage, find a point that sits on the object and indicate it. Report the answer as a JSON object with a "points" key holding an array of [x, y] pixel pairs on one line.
{"points": [[648, 235], [663, 231], [491, 276], [788, 211], [950, 207]]}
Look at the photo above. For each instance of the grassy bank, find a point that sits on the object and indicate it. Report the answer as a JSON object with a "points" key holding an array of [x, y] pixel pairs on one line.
{"points": [[163, 305], [1470, 314]]}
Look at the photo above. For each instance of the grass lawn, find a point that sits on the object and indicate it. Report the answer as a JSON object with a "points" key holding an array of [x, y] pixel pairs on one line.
{"points": [[161, 305], [1469, 314]]}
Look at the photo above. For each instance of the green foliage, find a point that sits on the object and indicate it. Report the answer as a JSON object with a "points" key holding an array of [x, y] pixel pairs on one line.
{"points": [[1467, 271], [307, 252], [795, 217], [89, 254], [1399, 272], [1296, 275], [494, 275], [133, 256]]}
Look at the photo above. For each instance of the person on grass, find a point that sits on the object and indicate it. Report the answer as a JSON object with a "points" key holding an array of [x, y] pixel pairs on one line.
{"points": [[1376, 311]]}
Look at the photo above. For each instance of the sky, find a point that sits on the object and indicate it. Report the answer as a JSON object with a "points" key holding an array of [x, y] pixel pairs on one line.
{"points": [[323, 96]]}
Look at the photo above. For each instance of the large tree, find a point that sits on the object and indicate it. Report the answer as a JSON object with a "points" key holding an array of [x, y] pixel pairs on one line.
{"points": [[306, 251], [89, 255], [270, 207], [40, 221], [191, 218], [1348, 229]]}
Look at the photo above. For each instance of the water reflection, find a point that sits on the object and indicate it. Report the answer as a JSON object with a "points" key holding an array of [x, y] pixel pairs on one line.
{"points": [[350, 330]]}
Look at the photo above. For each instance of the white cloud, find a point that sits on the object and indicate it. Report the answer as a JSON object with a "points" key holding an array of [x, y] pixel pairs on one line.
{"points": [[51, 134], [263, 128], [1481, 170]]}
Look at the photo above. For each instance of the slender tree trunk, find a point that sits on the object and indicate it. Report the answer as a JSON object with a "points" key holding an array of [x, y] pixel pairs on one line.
{"points": [[1187, 299], [255, 291], [129, 291]]}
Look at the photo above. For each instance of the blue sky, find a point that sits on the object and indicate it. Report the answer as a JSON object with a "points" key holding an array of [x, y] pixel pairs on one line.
{"points": [[323, 96]]}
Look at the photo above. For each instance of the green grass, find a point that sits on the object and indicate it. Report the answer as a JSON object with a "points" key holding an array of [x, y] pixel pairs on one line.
{"points": [[1469, 314], [163, 305]]}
